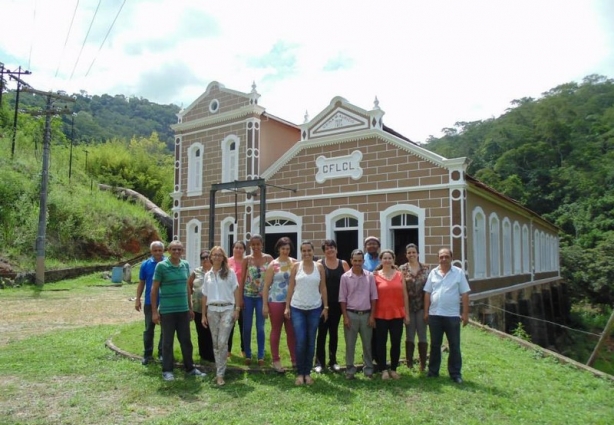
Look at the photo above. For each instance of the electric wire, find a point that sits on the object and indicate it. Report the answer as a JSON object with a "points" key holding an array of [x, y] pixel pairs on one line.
{"points": [[105, 38], [67, 37], [32, 39], [85, 40], [537, 319]]}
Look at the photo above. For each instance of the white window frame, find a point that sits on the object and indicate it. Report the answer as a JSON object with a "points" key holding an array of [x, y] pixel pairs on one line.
{"points": [[230, 158], [495, 245], [195, 169], [526, 250], [281, 215], [537, 262], [507, 247], [517, 242], [389, 213], [331, 218], [225, 232], [478, 218], [193, 242]]}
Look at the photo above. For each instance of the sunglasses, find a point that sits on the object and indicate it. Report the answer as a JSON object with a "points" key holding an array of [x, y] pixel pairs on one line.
{"points": [[204, 257]]}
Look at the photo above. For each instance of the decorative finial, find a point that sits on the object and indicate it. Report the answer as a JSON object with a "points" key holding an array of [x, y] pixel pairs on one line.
{"points": [[306, 117], [376, 103], [253, 86]]}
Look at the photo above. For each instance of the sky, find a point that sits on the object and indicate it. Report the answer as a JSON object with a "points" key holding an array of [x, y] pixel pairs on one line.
{"points": [[430, 63]]}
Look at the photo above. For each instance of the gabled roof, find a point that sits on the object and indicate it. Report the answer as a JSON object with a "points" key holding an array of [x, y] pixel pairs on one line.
{"points": [[253, 96]]}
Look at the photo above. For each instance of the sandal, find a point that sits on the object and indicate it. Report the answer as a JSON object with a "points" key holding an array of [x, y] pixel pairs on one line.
{"points": [[278, 367], [308, 380], [299, 381], [220, 381], [394, 375], [385, 375]]}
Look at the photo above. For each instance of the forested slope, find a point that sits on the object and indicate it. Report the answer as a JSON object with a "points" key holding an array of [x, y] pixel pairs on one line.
{"points": [[556, 156], [101, 118]]}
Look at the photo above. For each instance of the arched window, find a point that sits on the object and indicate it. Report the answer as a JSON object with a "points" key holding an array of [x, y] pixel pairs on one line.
{"points": [[345, 226], [526, 253], [479, 243], [279, 224], [537, 262], [495, 246], [230, 158], [507, 247], [193, 243], [195, 169], [402, 224], [517, 242], [229, 234]]}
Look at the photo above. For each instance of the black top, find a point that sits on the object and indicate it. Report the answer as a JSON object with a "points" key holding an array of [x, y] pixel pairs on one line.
{"points": [[333, 281]]}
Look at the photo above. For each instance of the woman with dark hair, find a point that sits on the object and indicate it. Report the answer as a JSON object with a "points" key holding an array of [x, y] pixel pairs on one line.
{"points": [[252, 278], [305, 303], [391, 312], [415, 275], [195, 282], [276, 282], [220, 295], [235, 263], [334, 269]]}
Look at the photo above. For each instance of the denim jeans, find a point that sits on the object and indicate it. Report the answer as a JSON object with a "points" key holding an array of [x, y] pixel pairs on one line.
{"points": [[416, 325], [180, 323], [450, 326], [253, 305], [148, 334], [305, 323]]}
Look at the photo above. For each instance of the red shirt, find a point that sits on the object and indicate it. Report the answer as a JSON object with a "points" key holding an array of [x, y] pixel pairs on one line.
{"points": [[390, 302]]}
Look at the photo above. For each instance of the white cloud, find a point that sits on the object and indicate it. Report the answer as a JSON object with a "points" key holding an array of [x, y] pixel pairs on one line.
{"points": [[430, 63]]}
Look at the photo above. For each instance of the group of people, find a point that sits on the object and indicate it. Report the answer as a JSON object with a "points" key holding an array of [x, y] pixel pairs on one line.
{"points": [[306, 298]]}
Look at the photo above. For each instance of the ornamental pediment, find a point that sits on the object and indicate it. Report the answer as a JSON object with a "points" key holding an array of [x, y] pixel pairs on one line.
{"points": [[339, 121]]}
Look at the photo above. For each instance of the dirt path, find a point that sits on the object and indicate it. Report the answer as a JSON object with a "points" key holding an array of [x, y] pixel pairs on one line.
{"points": [[26, 313]]}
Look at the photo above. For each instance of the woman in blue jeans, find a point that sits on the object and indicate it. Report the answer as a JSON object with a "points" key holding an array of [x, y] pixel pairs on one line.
{"points": [[306, 302], [252, 279]]}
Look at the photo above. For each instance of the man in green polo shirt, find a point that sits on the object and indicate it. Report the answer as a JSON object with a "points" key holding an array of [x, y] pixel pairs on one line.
{"points": [[170, 283]]}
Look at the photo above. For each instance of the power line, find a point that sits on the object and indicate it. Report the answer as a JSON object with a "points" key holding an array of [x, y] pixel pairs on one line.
{"points": [[33, 34], [537, 319], [105, 38], [85, 39], [67, 36]]}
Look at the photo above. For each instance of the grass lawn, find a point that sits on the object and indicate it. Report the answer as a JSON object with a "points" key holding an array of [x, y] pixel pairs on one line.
{"points": [[55, 369]]}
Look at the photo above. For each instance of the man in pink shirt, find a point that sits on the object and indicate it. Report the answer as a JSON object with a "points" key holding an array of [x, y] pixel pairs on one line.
{"points": [[358, 298]]}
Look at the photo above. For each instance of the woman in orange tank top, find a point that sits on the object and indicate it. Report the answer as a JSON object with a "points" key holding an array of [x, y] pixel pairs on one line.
{"points": [[391, 312]]}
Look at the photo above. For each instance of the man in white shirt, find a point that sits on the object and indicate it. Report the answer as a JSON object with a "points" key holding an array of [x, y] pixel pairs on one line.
{"points": [[444, 287]]}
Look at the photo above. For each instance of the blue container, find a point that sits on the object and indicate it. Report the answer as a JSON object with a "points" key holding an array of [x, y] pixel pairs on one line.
{"points": [[117, 274]]}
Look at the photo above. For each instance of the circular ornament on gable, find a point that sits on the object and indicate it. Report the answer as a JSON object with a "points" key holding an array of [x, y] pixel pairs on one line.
{"points": [[214, 106], [455, 175]]}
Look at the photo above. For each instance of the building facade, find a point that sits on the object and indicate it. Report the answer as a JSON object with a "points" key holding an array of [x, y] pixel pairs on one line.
{"points": [[344, 175]]}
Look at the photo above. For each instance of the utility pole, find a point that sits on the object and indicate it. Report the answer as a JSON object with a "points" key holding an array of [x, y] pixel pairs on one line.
{"points": [[72, 142], [2, 71], [42, 216], [20, 83], [602, 339]]}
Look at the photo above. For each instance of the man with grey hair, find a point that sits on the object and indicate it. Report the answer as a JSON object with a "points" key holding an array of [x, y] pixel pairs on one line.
{"points": [[145, 282], [170, 284]]}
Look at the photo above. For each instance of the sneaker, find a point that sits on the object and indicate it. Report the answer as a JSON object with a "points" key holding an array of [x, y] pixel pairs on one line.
{"points": [[160, 358], [318, 369], [168, 376], [335, 368], [146, 360], [196, 372]]}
